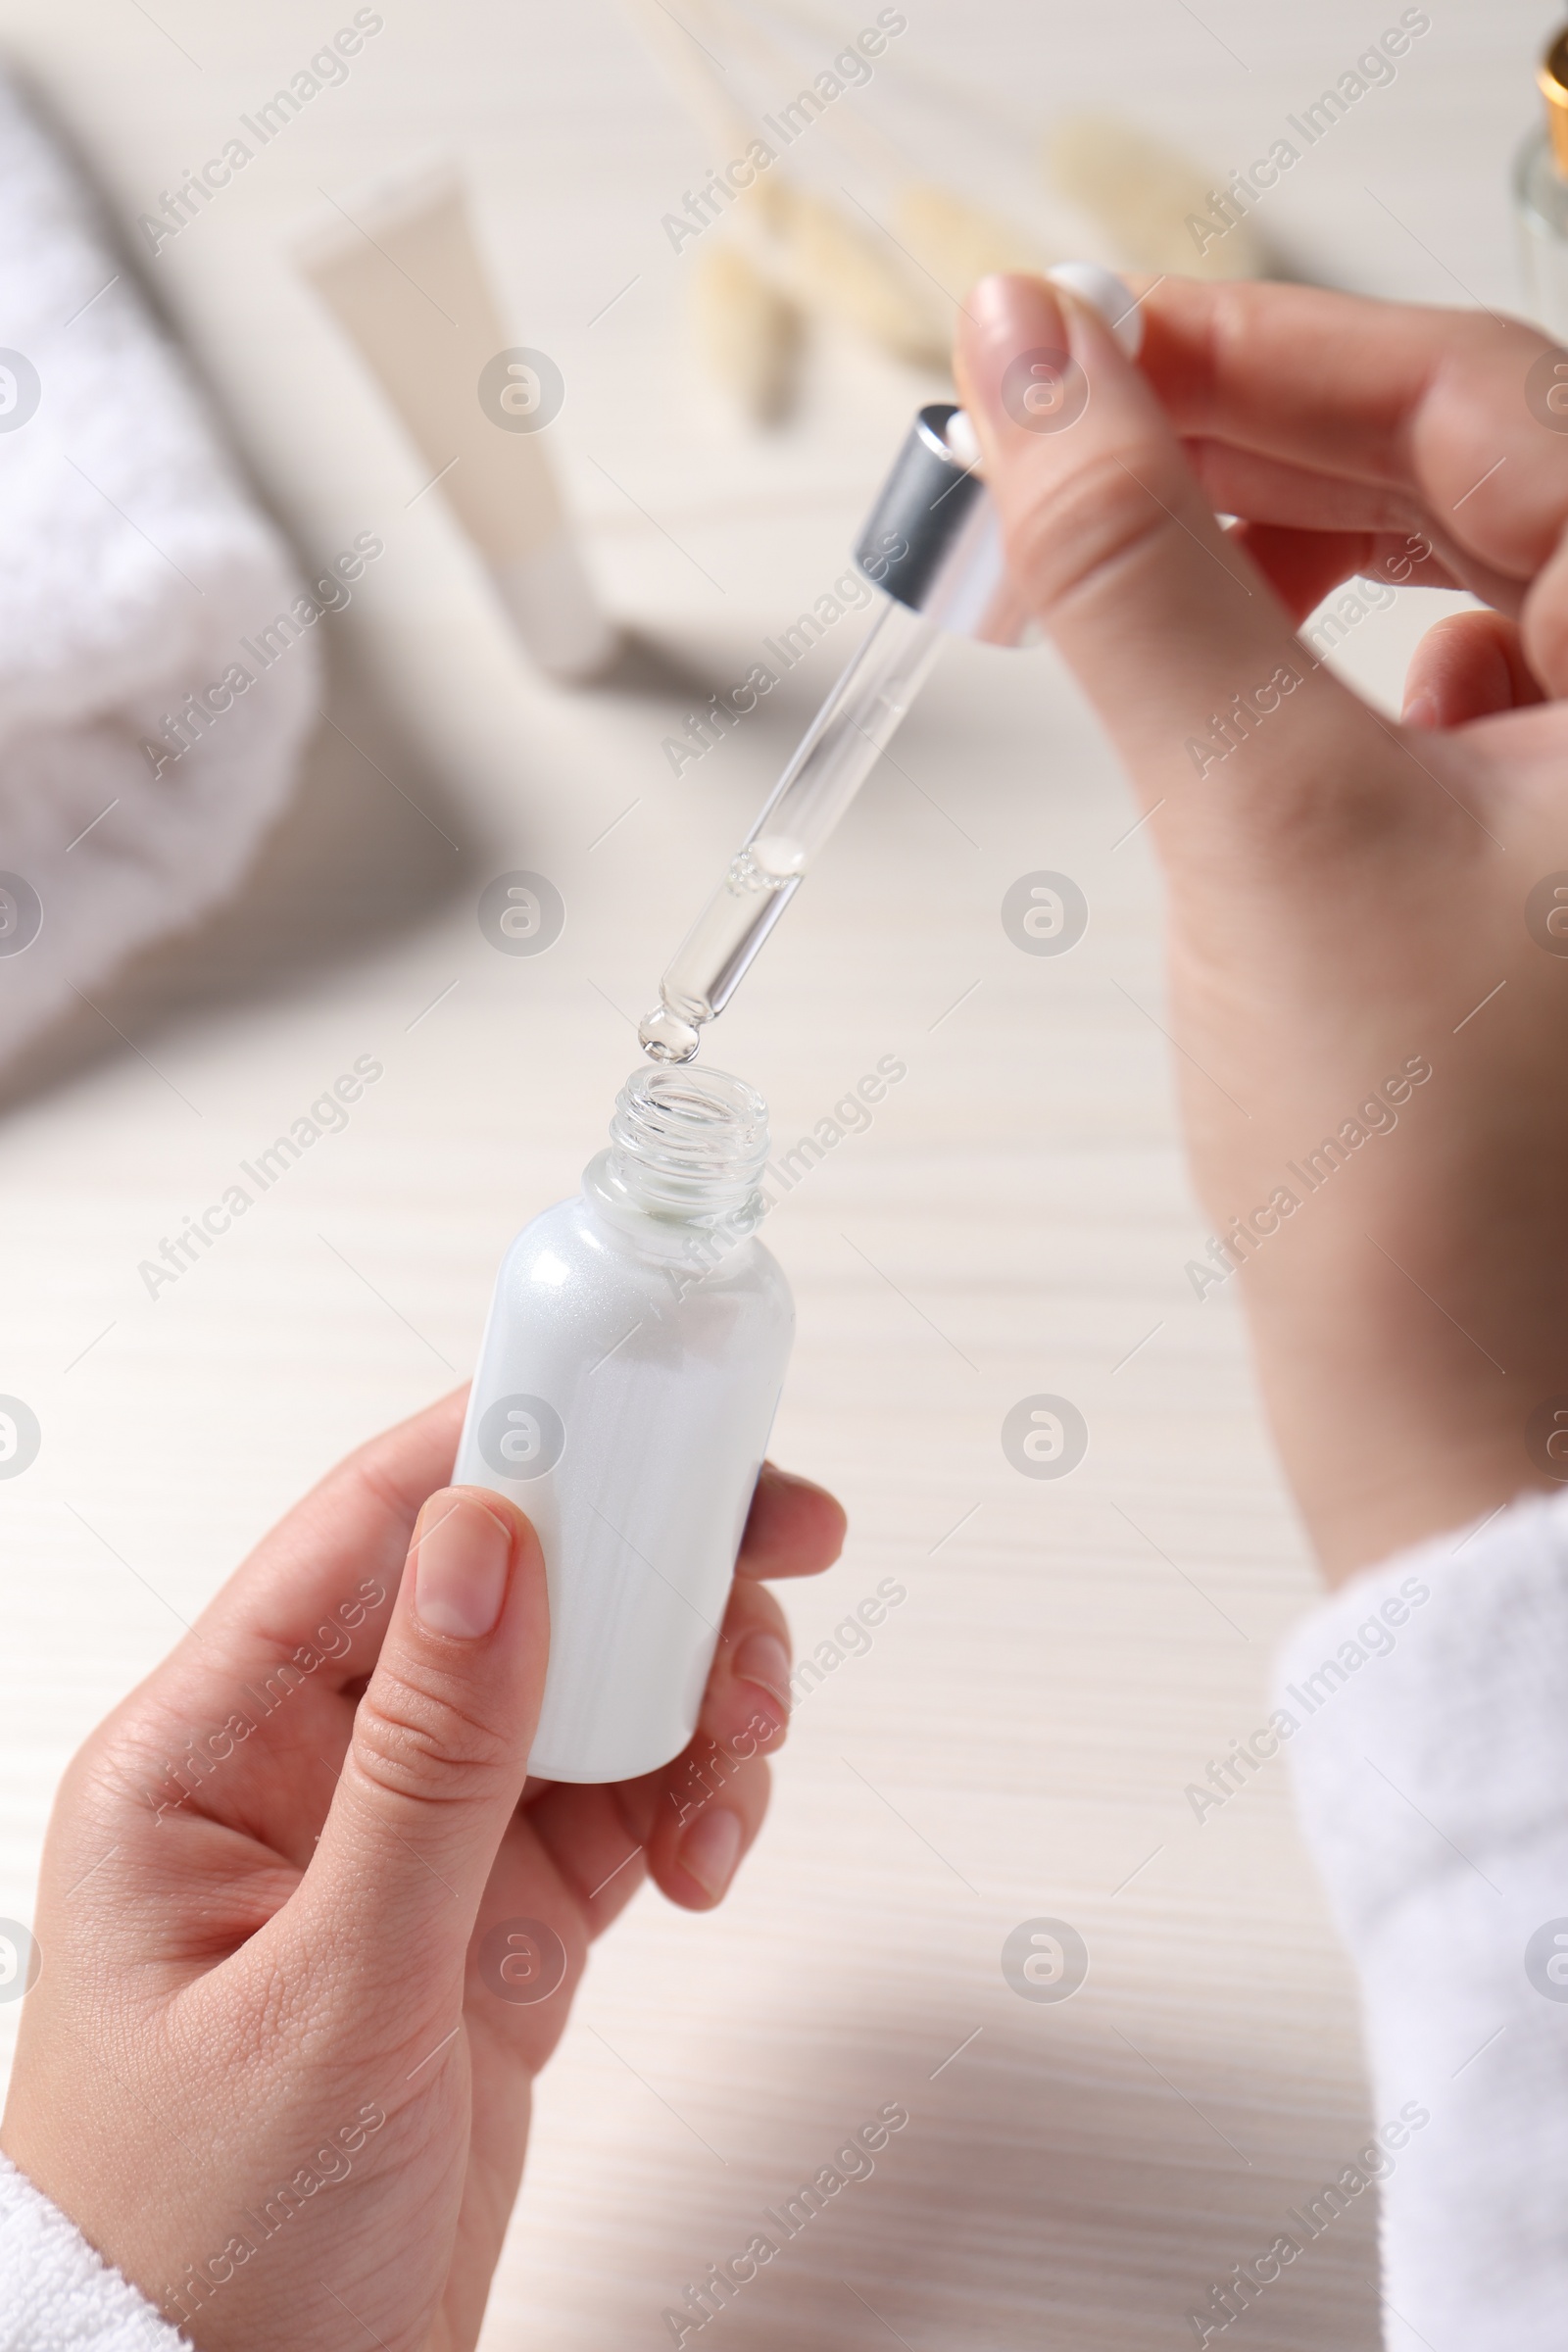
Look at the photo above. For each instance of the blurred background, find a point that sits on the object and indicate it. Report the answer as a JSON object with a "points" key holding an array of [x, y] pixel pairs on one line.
{"points": [[1018, 1738]]}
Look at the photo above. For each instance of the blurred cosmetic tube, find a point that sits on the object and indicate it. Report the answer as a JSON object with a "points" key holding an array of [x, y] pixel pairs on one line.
{"points": [[404, 281]]}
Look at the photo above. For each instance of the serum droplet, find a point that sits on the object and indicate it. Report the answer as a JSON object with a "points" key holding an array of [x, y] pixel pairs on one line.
{"points": [[665, 1037]]}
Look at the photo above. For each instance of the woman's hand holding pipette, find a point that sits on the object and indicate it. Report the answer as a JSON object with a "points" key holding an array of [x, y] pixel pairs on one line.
{"points": [[1350, 899]]}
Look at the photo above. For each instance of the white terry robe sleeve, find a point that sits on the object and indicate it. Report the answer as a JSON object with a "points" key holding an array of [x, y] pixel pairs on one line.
{"points": [[1430, 1770], [56, 2295]]}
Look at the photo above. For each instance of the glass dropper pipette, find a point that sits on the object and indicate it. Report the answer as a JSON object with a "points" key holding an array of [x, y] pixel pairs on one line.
{"points": [[842, 746], [932, 545]]}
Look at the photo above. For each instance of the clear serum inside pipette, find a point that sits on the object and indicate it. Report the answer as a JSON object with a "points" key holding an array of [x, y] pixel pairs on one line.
{"points": [[844, 743], [932, 544]]}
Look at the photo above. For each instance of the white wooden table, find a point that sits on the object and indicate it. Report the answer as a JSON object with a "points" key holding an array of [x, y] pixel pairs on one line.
{"points": [[1017, 1740]]}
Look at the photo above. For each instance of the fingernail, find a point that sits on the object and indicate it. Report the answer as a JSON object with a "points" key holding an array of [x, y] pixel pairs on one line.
{"points": [[762, 1658], [710, 1849], [1112, 296], [1421, 711], [461, 1552]]}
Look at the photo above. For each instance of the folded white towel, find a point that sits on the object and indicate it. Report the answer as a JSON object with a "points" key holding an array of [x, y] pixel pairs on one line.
{"points": [[58, 2295], [133, 565]]}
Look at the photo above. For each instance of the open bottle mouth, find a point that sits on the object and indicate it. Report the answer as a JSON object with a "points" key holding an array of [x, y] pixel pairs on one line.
{"points": [[685, 1142]]}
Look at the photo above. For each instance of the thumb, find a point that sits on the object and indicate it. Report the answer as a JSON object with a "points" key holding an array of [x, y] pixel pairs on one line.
{"points": [[439, 1752], [1213, 702]]}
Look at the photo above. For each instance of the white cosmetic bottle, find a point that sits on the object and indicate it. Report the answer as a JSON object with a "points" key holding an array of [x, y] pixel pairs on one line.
{"points": [[626, 1386]]}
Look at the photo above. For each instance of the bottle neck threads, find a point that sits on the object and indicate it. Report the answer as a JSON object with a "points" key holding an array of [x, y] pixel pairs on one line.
{"points": [[684, 1144]]}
